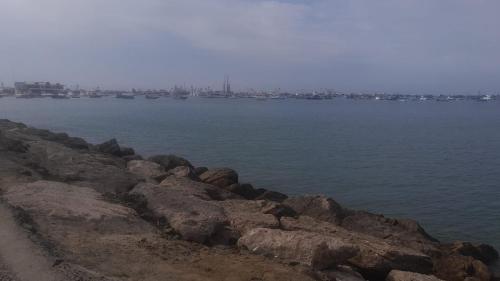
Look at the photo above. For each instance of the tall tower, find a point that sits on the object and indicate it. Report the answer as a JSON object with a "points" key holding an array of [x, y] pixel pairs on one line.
{"points": [[224, 85]]}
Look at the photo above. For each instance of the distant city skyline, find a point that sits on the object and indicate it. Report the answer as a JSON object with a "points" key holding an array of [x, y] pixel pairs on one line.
{"points": [[410, 46]]}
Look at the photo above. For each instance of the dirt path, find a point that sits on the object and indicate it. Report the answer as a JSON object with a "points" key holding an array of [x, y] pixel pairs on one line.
{"points": [[22, 259]]}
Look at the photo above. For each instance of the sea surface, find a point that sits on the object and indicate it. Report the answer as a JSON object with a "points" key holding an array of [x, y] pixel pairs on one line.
{"points": [[436, 162]]}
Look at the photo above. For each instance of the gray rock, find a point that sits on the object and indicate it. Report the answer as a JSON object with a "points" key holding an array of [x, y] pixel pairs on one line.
{"points": [[14, 145], [395, 231], [183, 171], [110, 147], [200, 170], [457, 267], [221, 177], [132, 157], [482, 252], [146, 170], [202, 190], [245, 215], [376, 257], [312, 249], [170, 161], [341, 273], [61, 138], [101, 172], [318, 207], [64, 201], [191, 215], [245, 190], [126, 151], [271, 196], [397, 275]]}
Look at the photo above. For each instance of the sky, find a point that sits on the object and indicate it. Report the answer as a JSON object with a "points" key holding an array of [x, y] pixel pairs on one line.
{"points": [[412, 46]]}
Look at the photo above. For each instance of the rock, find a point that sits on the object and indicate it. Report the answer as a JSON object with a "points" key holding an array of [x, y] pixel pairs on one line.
{"points": [[271, 196], [340, 273], [279, 210], [458, 268], [318, 207], [246, 215], [397, 275], [183, 171], [132, 157], [482, 252], [64, 201], [170, 161], [376, 257], [194, 218], [61, 138], [14, 145], [315, 250], [245, 190], [395, 231], [204, 191], [220, 177], [101, 172], [200, 170], [110, 147], [126, 151], [147, 170]]}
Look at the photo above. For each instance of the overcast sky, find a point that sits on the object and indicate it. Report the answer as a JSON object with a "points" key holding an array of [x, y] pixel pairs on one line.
{"points": [[351, 45]]}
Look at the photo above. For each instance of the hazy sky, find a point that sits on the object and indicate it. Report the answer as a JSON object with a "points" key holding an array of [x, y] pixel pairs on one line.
{"points": [[379, 45]]}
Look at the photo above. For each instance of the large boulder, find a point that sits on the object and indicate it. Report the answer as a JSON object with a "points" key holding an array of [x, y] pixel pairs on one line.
{"points": [[245, 190], [106, 174], [110, 147], [482, 252], [318, 207], [397, 275], [10, 144], [183, 171], [395, 231], [221, 177], [340, 273], [170, 161], [312, 249], [146, 170], [187, 211], [198, 189], [61, 138], [376, 257], [271, 195], [459, 268], [245, 215], [64, 201]]}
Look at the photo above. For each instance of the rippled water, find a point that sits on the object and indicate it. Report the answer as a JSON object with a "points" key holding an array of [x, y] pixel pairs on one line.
{"points": [[436, 162]]}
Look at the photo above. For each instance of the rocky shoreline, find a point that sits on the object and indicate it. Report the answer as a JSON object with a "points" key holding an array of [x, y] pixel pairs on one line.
{"points": [[70, 210]]}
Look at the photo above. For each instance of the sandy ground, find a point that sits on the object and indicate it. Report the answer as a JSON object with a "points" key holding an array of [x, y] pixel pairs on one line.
{"points": [[19, 257]]}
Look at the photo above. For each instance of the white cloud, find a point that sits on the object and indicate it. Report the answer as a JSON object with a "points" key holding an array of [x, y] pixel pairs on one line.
{"points": [[257, 29]]}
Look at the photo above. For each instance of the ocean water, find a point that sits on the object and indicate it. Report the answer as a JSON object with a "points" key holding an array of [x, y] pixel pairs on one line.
{"points": [[438, 163]]}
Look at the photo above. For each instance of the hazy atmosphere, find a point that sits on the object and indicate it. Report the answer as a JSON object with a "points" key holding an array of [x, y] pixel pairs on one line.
{"points": [[390, 45]]}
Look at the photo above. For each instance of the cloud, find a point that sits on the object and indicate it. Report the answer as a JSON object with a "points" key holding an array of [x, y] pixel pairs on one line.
{"points": [[352, 43], [268, 29]]}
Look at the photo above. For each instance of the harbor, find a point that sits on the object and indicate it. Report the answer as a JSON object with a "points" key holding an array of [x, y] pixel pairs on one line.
{"points": [[30, 90]]}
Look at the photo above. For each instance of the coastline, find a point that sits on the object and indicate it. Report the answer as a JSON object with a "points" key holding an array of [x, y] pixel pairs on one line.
{"points": [[166, 200]]}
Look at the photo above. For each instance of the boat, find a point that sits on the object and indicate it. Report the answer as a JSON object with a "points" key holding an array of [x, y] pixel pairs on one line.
{"points": [[485, 98], [152, 97], [94, 95], [59, 96], [124, 96], [179, 97]]}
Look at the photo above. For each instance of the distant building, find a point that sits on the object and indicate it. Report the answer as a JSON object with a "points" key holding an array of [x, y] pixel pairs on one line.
{"points": [[38, 89]]}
